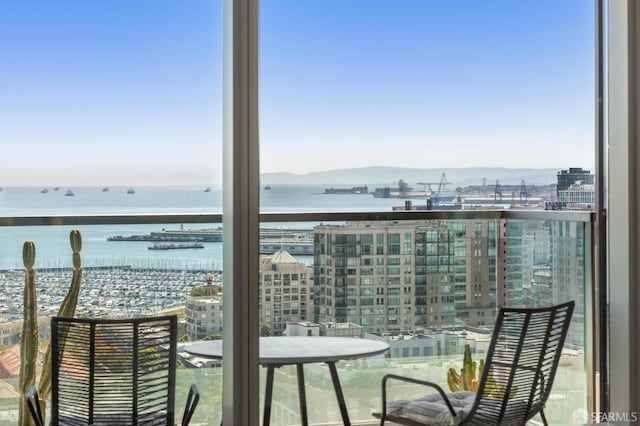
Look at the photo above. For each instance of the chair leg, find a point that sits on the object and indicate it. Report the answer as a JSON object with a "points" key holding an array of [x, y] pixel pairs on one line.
{"points": [[33, 402], [544, 419], [192, 403]]}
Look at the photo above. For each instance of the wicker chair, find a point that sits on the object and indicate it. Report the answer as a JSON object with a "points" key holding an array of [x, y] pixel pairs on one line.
{"points": [[516, 381], [114, 372]]}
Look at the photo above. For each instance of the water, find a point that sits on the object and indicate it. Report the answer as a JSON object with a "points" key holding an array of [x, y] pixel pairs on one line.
{"points": [[52, 242]]}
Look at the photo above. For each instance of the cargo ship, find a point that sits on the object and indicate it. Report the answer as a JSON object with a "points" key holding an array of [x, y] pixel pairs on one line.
{"points": [[352, 190]]}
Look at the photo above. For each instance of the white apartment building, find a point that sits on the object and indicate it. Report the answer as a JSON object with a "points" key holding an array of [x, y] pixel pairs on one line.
{"points": [[286, 295], [579, 193], [204, 314], [286, 291]]}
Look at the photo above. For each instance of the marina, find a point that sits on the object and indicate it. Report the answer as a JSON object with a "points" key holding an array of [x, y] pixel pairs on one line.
{"points": [[106, 291]]}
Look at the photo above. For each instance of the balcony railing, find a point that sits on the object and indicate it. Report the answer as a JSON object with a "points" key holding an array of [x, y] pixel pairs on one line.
{"points": [[448, 284]]}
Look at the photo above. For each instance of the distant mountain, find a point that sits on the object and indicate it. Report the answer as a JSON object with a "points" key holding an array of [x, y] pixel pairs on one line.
{"points": [[378, 175]]}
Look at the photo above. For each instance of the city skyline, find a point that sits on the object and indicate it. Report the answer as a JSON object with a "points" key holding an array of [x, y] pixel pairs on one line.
{"points": [[121, 93]]}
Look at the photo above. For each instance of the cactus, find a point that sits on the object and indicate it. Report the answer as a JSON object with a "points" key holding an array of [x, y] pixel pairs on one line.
{"points": [[467, 379], [67, 310], [29, 349], [29, 344]]}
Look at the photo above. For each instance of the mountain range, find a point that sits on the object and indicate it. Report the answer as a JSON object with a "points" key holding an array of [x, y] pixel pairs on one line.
{"points": [[378, 175]]}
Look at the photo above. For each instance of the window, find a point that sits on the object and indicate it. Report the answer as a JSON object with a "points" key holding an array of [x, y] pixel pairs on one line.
{"points": [[345, 96]]}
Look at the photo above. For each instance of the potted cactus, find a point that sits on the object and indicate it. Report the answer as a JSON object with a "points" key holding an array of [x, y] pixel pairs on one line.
{"points": [[467, 378], [29, 343]]}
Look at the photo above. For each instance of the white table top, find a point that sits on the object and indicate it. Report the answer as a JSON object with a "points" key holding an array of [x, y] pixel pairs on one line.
{"points": [[299, 350]]}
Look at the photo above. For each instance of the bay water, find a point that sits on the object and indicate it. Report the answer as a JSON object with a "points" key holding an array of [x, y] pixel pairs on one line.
{"points": [[52, 242]]}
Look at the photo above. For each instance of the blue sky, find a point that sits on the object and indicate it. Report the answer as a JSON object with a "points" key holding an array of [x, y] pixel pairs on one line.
{"points": [[130, 92]]}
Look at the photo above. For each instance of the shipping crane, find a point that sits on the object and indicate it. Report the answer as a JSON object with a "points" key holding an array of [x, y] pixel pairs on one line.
{"points": [[524, 195], [435, 195], [441, 186], [497, 192]]}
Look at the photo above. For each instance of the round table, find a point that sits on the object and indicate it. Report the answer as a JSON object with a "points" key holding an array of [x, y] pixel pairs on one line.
{"points": [[278, 351]]}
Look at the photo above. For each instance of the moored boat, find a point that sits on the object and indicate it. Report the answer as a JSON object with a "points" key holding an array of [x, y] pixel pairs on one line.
{"points": [[174, 246]]}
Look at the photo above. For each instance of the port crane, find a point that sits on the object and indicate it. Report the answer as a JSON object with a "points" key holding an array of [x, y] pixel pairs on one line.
{"points": [[524, 195], [498, 191], [441, 186]]}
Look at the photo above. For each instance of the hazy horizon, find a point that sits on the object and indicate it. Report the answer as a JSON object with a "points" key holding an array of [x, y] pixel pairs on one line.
{"points": [[373, 175]]}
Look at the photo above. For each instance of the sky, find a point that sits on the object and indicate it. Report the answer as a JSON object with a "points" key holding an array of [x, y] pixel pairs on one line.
{"points": [[121, 92]]}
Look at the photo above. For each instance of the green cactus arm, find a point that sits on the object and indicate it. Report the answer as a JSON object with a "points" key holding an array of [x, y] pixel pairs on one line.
{"points": [[67, 310], [29, 339], [473, 371], [465, 379], [76, 245], [467, 355], [453, 380], [467, 370]]}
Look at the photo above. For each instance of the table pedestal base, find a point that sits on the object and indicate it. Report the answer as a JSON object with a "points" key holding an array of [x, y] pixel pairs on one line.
{"points": [[302, 396]]}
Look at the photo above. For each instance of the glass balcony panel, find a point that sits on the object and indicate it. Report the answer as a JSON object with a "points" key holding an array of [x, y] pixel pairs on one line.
{"points": [[124, 277], [449, 321]]}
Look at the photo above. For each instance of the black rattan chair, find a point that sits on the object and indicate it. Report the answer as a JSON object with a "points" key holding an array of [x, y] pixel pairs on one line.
{"points": [[516, 381], [114, 372]]}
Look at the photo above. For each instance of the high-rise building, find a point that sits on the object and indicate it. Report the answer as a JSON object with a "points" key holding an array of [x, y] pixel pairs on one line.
{"points": [[568, 272], [566, 178], [391, 276]]}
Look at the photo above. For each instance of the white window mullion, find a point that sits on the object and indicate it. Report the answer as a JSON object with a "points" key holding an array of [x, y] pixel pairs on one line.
{"points": [[623, 116], [241, 183]]}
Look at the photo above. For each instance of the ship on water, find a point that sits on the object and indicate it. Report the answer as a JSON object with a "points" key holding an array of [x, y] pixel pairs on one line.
{"points": [[209, 235], [176, 246], [353, 190], [295, 241]]}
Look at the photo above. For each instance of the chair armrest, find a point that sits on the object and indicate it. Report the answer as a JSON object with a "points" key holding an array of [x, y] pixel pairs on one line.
{"points": [[386, 377], [192, 403], [33, 403]]}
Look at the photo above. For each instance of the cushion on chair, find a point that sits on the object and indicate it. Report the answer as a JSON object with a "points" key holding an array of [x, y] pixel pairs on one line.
{"points": [[431, 408]]}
